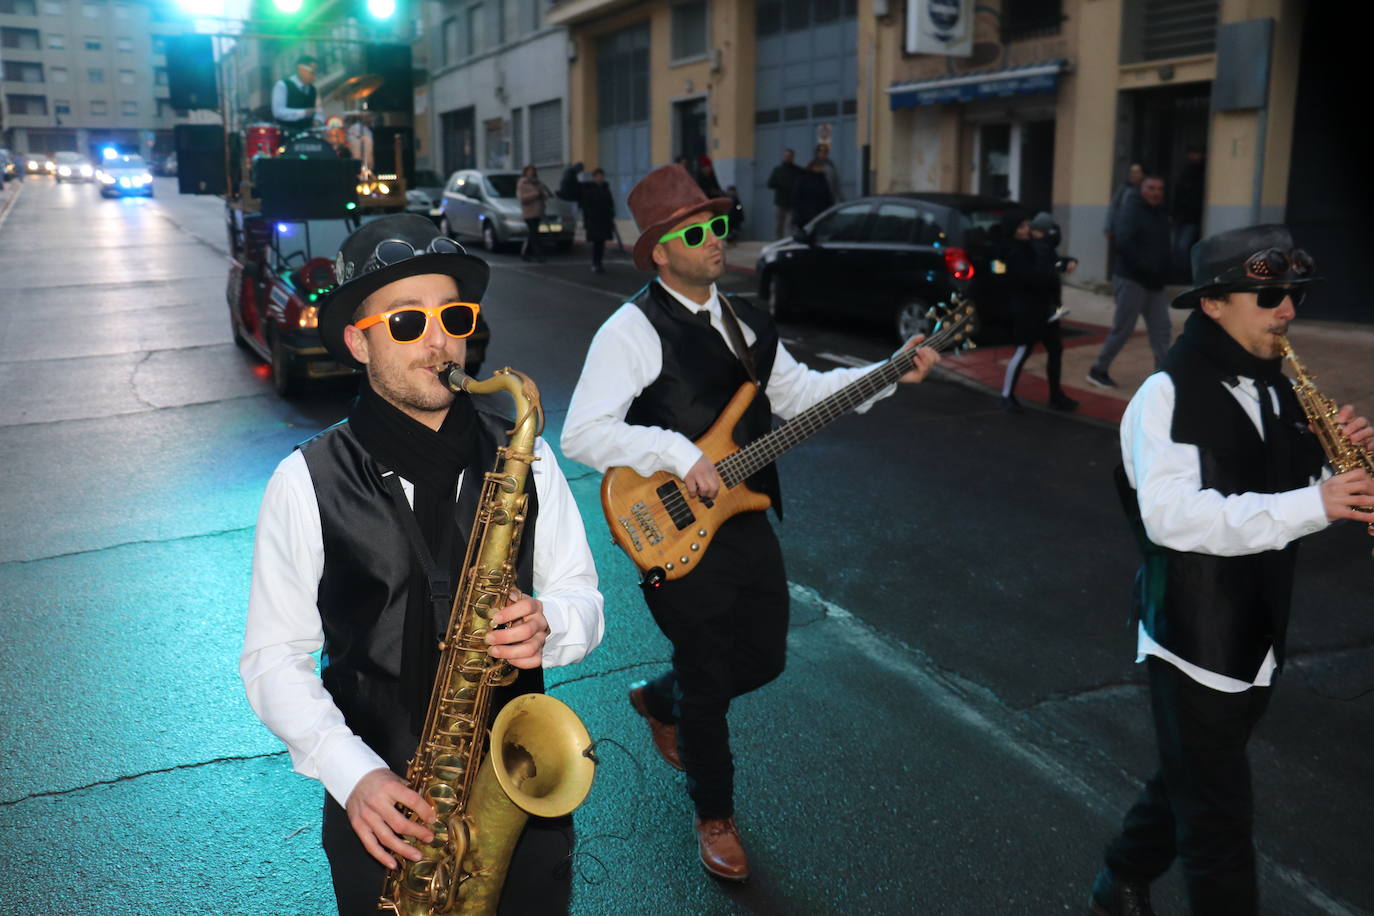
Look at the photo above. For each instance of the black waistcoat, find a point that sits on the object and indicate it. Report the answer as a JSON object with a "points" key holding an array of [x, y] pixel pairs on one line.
{"points": [[1222, 613], [362, 592], [701, 373], [296, 97]]}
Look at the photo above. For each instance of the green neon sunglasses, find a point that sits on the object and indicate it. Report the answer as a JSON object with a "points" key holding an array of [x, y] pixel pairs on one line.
{"points": [[692, 236]]}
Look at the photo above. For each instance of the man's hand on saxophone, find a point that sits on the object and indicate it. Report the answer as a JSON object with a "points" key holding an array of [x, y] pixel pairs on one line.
{"points": [[1348, 495], [523, 629], [380, 825], [1357, 428]]}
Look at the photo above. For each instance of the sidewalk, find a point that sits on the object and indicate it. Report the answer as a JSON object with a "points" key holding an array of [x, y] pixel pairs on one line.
{"points": [[1339, 355]]}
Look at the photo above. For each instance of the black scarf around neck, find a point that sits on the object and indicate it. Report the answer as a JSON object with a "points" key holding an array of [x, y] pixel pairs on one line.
{"points": [[1288, 449], [1220, 349], [432, 461]]}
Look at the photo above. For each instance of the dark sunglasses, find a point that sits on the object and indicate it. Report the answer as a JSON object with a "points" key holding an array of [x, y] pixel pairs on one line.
{"points": [[1272, 297], [393, 251], [692, 236], [409, 324]]}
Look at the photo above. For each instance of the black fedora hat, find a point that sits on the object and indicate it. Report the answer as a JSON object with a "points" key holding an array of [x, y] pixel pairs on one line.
{"points": [[363, 267], [1256, 257]]}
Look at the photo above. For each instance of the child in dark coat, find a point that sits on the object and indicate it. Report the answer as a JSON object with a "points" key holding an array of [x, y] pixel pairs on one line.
{"points": [[1033, 269]]}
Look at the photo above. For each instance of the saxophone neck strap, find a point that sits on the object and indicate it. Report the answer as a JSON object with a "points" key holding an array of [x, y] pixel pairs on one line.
{"points": [[439, 582]]}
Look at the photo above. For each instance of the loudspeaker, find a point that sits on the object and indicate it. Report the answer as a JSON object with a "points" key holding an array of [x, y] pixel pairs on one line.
{"points": [[384, 151], [296, 189], [191, 72], [200, 158], [392, 64]]}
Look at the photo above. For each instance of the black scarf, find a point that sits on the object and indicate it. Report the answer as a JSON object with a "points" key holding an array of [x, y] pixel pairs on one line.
{"points": [[432, 461], [1283, 435]]}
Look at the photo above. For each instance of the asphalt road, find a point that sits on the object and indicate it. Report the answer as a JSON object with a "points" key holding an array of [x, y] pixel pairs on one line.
{"points": [[959, 729]]}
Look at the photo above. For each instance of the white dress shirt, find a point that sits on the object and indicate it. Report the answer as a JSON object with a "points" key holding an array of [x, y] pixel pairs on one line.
{"points": [[1180, 515], [626, 356], [284, 629], [279, 109]]}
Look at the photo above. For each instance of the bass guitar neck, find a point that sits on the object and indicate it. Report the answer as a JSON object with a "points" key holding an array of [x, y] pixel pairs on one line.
{"points": [[666, 531]]}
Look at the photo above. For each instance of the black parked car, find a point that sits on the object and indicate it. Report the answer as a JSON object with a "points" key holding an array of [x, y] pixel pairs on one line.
{"points": [[887, 260]]}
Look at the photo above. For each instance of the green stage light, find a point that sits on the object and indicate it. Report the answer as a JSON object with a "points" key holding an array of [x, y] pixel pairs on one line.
{"points": [[289, 7], [381, 9]]}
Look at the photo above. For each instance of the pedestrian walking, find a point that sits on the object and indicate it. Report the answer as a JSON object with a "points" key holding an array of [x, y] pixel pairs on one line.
{"points": [[531, 193], [1135, 174], [736, 214], [1033, 268], [812, 193], [783, 182], [1142, 239], [657, 375], [832, 174], [598, 212], [1220, 477], [359, 531], [706, 178], [570, 192], [1186, 211]]}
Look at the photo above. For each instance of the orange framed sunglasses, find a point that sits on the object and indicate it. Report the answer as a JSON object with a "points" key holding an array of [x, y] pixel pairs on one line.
{"points": [[409, 324]]}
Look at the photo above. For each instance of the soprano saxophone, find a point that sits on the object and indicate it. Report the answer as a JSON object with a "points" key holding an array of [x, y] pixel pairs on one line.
{"points": [[537, 759], [1321, 411]]}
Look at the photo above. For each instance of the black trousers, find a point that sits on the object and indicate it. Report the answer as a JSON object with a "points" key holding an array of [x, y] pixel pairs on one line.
{"points": [[598, 251], [532, 246], [1054, 353], [727, 622], [1199, 806], [539, 882]]}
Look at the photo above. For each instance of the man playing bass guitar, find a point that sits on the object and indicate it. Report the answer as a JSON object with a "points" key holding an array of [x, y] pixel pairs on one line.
{"points": [[658, 374]]}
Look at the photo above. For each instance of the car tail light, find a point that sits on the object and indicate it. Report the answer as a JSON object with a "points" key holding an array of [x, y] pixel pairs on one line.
{"points": [[960, 267]]}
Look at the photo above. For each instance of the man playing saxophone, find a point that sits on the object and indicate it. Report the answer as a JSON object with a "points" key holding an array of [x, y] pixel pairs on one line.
{"points": [[1220, 477], [360, 533]]}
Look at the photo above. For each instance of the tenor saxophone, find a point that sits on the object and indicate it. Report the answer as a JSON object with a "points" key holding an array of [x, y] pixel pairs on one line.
{"points": [[1343, 454], [537, 758]]}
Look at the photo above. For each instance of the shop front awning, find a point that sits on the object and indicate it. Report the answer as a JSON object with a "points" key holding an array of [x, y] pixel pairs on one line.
{"points": [[1031, 79]]}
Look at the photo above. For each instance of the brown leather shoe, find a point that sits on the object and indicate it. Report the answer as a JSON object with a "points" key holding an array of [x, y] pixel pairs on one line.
{"points": [[664, 735], [722, 853]]}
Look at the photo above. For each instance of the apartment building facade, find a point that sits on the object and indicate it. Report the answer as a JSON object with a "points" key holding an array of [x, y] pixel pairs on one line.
{"points": [[81, 74], [496, 97]]}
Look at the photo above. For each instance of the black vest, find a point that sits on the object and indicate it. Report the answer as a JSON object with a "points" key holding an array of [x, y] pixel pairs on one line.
{"points": [[701, 373], [362, 592], [297, 97], [1222, 613]]}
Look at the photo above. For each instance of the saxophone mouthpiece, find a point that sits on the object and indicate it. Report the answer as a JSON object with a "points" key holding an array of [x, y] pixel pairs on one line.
{"points": [[453, 376]]}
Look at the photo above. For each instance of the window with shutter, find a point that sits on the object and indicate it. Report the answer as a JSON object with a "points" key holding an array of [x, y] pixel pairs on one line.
{"points": [[546, 133]]}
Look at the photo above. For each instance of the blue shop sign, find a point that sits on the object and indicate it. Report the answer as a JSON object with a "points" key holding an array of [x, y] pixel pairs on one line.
{"points": [[993, 88]]}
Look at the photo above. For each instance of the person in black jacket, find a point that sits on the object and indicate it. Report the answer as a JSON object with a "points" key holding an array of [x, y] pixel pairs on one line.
{"points": [[1033, 297], [598, 210], [783, 182], [1142, 239], [812, 194]]}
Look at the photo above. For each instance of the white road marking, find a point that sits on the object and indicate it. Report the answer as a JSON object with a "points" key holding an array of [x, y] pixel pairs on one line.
{"points": [[844, 359]]}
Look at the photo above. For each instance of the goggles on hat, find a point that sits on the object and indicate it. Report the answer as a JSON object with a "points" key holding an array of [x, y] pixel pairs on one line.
{"points": [[1272, 265], [393, 251], [410, 323], [692, 236]]}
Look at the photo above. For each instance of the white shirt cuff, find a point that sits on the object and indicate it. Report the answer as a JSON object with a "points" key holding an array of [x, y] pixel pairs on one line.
{"points": [[1302, 510], [683, 454], [342, 762]]}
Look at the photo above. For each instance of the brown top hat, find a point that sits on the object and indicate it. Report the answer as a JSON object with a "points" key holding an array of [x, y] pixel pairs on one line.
{"points": [[666, 196]]}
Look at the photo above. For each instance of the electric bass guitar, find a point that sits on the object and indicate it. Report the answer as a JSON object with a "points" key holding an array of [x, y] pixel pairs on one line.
{"points": [[666, 531]]}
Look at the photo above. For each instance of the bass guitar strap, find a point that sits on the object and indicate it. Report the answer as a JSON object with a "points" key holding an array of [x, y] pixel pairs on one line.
{"points": [[732, 329]]}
